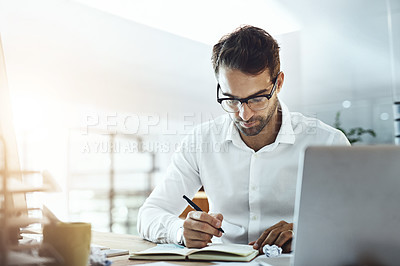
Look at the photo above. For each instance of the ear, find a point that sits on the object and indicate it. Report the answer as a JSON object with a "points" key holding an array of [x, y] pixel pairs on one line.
{"points": [[281, 78]]}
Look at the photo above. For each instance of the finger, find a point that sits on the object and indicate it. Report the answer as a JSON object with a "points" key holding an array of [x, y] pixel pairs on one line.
{"points": [[252, 242], [218, 216], [194, 225], [287, 247], [196, 239], [193, 235], [274, 234], [270, 239], [283, 237], [205, 217], [264, 235], [258, 243], [196, 244]]}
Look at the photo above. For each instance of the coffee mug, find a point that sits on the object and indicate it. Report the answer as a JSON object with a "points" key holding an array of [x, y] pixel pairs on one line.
{"points": [[71, 241]]}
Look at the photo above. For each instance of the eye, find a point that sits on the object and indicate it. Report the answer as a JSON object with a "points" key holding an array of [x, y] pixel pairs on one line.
{"points": [[232, 102], [257, 100]]}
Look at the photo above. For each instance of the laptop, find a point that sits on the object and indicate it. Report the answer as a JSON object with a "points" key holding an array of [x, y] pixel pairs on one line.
{"points": [[348, 207]]}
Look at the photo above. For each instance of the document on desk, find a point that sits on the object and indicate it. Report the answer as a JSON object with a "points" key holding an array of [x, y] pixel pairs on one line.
{"points": [[213, 252], [160, 263], [282, 260], [252, 263], [115, 252]]}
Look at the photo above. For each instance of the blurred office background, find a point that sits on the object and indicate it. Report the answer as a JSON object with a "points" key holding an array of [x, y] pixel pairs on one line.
{"points": [[102, 90]]}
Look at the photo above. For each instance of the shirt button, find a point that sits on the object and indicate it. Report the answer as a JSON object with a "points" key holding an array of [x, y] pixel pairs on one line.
{"points": [[253, 188], [254, 217]]}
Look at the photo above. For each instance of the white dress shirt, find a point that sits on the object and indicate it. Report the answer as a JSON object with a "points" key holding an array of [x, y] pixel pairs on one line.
{"points": [[252, 190]]}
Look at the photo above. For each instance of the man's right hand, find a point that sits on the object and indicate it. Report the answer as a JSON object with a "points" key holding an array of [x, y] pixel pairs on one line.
{"points": [[200, 227]]}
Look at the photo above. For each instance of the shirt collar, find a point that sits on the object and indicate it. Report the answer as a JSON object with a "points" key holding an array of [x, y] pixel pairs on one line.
{"points": [[285, 134]]}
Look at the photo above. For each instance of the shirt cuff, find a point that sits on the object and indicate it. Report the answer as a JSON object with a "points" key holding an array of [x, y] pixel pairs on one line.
{"points": [[174, 230]]}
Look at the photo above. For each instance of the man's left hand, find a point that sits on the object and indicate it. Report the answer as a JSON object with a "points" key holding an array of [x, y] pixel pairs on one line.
{"points": [[279, 234]]}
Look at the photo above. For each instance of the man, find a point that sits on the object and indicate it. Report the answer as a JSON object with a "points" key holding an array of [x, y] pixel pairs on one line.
{"points": [[250, 180]]}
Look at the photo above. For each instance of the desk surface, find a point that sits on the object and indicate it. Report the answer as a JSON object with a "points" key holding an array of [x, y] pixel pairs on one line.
{"points": [[135, 243]]}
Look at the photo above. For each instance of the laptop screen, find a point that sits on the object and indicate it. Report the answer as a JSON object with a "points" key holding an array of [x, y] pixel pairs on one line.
{"points": [[347, 207]]}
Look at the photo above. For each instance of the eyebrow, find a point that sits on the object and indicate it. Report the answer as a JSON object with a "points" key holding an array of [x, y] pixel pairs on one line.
{"points": [[233, 96]]}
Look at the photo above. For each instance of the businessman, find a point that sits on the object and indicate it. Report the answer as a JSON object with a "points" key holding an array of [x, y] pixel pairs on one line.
{"points": [[250, 182]]}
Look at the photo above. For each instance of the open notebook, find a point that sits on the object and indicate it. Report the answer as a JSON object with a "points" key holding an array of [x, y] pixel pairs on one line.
{"points": [[213, 252]]}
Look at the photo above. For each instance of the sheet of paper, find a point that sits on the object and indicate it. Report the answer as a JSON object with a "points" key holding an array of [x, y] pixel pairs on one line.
{"points": [[115, 252], [233, 248], [215, 264], [166, 249], [282, 260], [168, 246], [251, 263]]}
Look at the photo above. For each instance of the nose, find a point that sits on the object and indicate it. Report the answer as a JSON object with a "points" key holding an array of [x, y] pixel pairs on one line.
{"points": [[245, 112]]}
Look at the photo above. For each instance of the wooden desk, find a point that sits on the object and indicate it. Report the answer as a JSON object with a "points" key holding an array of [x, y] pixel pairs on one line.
{"points": [[133, 244]]}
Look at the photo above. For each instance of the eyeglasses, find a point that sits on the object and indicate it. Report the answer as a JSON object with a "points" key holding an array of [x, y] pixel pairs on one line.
{"points": [[255, 103]]}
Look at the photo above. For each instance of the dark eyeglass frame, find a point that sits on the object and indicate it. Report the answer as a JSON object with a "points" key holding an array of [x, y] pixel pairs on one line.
{"points": [[246, 100]]}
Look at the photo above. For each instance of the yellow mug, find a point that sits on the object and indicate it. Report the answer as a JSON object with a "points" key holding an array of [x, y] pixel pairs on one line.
{"points": [[70, 240]]}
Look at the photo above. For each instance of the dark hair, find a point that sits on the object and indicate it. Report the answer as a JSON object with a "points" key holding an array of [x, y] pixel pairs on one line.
{"points": [[248, 49]]}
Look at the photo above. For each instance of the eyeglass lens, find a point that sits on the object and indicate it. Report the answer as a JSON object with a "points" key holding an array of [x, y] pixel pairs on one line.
{"points": [[255, 104]]}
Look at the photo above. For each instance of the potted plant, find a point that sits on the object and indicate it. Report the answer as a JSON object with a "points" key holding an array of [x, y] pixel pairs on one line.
{"points": [[353, 134]]}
